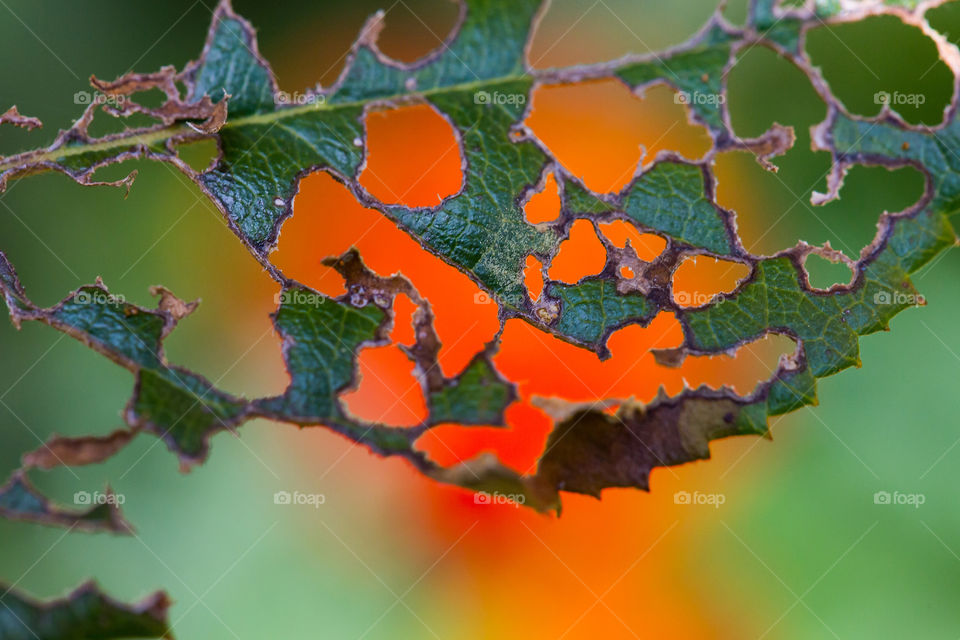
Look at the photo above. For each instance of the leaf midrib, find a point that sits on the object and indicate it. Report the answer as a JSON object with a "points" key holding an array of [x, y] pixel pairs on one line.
{"points": [[149, 137]]}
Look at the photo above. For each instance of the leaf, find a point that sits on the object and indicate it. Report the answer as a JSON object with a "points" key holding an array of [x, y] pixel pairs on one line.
{"points": [[19, 500], [174, 404], [267, 145], [592, 309], [669, 432], [85, 614], [672, 198], [476, 396], [78, 451]]}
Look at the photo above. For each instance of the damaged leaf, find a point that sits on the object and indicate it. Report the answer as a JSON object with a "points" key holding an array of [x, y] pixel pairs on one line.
{"points": [[20, 500], [480, 82], [84, 614]]}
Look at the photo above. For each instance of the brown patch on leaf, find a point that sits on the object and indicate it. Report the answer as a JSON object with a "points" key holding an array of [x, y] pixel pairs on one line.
{"points": [[173, 109], [591, 450], [12, 116], [775, 142], [485, 474], [171, 304], [77, 451], [364, 287]]}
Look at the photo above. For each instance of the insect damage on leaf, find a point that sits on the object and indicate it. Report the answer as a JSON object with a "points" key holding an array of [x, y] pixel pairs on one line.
{"points": [[480, 82], [20, 500], [84, 613]]}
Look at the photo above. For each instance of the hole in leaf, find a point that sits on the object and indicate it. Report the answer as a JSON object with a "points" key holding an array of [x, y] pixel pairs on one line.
{"points": [[403, 331], [388, 391], [547, 366], [774, 211], [104, 124], [907, 73], [627, 273], [199, 154], [604, 152], [946, 20], [699, 279], [533, 277], [519, 446], [576, 32], [328, 220], [736, 11], [151, 98], [580, 255], [823, 273], [118, 170], [881, 59], [544, 205], [764, 88], [646, 245], [412, 157], [753, 363], [772, 208], [412, 29]]}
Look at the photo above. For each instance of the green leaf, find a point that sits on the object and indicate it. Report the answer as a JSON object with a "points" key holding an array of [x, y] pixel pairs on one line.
{"points": [[480, 82], [20, 500], [231, 65], [85, 614], [476, 396], [591, 310], [695, 72]]}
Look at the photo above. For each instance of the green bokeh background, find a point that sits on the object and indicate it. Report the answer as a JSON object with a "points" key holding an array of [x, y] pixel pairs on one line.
{"points": [[802, 528]]}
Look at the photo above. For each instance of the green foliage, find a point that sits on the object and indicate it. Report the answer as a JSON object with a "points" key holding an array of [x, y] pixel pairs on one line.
{"points": [[480, 82]]}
